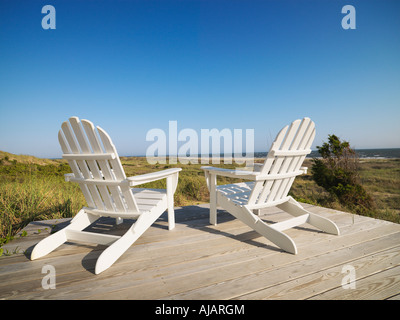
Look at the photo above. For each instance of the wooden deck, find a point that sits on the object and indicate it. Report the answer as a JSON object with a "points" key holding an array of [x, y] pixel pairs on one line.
{"points": [[227, 261]]}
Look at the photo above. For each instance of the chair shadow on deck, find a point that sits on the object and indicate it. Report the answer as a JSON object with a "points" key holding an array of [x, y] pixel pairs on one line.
{"points": [[193, 216], [102, 225], [197, 216]]}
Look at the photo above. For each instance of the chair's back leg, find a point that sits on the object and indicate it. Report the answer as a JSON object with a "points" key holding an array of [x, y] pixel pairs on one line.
{"points": [[295, 209], [115, 250], [282, 240], [52, 242]]}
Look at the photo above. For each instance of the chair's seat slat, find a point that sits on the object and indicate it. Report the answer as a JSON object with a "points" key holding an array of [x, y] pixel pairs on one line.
{"points": [[113, 214]]}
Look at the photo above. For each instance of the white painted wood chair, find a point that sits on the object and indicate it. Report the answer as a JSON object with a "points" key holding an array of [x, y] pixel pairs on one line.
{"points": [[97, 169], [269, 187]]}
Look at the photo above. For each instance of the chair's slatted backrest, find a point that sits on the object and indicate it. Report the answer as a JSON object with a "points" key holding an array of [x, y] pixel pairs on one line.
{"points": [[283, 162], [96, 166]]}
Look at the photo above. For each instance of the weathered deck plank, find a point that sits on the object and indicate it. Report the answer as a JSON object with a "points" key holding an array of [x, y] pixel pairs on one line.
{"points": [[376, 286], [227, 261]]}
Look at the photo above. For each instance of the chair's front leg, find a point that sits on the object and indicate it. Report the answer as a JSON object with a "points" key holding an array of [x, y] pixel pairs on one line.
{"points": [[170, 201], [213, 198]]}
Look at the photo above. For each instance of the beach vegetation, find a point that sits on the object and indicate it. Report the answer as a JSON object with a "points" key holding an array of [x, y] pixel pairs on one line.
{"points": [[337, 171], [34, 189]]}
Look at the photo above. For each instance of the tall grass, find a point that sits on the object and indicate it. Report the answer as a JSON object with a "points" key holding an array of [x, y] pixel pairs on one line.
{"points": [[31, 192], [36, 198]]}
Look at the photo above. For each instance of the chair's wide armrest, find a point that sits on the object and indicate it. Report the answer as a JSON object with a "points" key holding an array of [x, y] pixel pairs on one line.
{"points": [[240, 174], [152, 176]]}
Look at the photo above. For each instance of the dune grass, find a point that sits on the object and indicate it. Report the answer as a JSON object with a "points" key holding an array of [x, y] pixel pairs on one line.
{"points": [[380, 178], [31, 192], [34, 189]]}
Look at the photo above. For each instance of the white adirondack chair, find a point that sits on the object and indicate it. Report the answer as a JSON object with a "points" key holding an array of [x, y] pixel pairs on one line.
{"points": [[269, 187], [97, 169]]}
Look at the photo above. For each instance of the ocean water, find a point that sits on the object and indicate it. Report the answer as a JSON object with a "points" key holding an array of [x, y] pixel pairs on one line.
{"points": [[393, 153], [379, 153]]}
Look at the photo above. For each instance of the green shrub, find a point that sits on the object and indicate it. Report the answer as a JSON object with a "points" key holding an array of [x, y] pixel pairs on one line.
{"points": [[337, 173]]}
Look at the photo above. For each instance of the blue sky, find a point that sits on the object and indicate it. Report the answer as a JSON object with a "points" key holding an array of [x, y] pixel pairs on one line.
{"points": [[131, 66]]}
